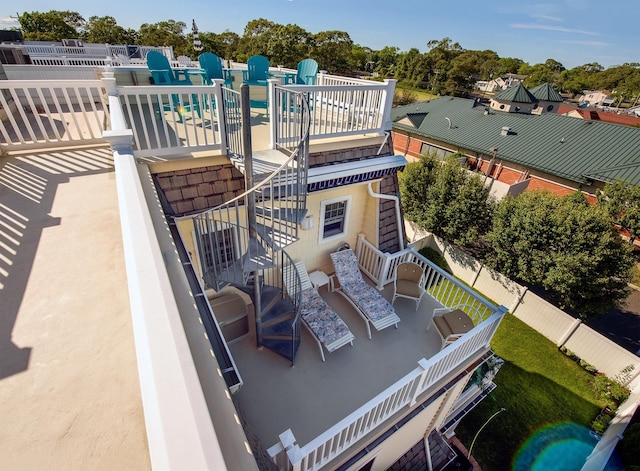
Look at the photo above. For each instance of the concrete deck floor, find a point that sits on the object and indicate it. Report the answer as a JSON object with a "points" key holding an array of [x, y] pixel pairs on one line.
{"points": [[69, 390], [313, 396]]}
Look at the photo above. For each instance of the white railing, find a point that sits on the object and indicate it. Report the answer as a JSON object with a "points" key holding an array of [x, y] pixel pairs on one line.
{"points": [[327, 79], [71, 60], [336, 110], [443, 287], [49, 113], [97, 50], [413, 388], [50, 72], [172, 120]]}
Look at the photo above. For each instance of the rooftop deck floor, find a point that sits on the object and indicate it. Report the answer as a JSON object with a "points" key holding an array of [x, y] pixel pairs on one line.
{"points": [[312, 396], [69, 389]]}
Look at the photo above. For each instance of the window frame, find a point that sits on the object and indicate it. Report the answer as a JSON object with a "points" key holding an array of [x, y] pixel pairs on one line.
{"points": [[347, 199]]}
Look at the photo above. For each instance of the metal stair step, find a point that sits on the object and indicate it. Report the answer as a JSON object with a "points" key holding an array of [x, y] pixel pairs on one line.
{"points": [[287, 214], [256, 257], [275, 239]]}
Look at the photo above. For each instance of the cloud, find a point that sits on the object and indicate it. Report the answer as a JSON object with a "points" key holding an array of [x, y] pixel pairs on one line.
{"points": [[551, 28], [585, 43], [548, 17]]}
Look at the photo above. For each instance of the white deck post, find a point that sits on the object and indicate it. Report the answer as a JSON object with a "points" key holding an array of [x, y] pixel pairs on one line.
{"points": [[387, 103], [273, 111], [222, 119]]}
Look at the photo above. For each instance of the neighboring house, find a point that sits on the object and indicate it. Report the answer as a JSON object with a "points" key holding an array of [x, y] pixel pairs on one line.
{"points": [[597, 98], [518, 149], [500, 83], [216, 210], [600, 115]]}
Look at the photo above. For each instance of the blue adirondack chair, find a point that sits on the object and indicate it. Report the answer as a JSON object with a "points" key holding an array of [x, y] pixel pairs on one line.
{"points": [[257, 74], [163, 74], [212, 66], [306, 74]]}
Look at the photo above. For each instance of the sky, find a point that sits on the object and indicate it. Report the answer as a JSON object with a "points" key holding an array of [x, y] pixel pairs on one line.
{"points": [[573, 32]]}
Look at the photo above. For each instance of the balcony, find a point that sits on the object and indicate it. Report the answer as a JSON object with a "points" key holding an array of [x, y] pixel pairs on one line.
{"points": [[363, 389]]}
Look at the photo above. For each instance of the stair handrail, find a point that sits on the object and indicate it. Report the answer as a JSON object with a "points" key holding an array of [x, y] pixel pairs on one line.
{"points": [[269, 177]]}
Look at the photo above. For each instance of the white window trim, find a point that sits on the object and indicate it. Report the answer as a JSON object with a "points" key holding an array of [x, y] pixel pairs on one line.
{"points": [[347, 213]]}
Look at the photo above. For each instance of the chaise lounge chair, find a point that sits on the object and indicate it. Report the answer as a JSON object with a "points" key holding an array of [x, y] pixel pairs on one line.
{"points": [[367, 301], [324, 325]]}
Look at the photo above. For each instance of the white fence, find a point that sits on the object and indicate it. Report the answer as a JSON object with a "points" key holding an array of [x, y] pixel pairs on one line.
{"points": [[51, 113], [562, 329], [412, 388]]}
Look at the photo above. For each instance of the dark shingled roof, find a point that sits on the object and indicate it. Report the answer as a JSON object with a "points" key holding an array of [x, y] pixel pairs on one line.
{"points": [[516, 94], [546, 92], [570, 148]]}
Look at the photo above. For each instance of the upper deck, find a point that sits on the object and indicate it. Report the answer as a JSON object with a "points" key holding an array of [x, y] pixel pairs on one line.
{"points": [[180, 388]]}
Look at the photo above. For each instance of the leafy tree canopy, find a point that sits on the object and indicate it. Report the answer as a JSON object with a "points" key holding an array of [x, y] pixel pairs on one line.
{"points": [[53, 25], [622, 203], [564, 245], [105, 30], [446, 199]]}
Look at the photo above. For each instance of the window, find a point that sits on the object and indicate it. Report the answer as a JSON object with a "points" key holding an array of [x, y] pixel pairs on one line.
{"points": [[334, 218], [502, 107], [219, 249], [216, 249], [439, 152]]}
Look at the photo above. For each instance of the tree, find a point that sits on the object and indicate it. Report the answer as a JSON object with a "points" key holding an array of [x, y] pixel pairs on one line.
{"points": [[165, 33], [332, 50], [446, 199], [105, 30], [563, 245], [622, 203], [255, 40], [288, 45], [53, 25]]}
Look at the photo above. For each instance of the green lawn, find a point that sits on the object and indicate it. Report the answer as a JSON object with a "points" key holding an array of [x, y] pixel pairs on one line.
{"points": [[421, 94], [538, 386]]}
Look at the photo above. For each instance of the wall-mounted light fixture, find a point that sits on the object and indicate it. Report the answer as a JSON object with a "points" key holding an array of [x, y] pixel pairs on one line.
{"points": [[307, 223]]}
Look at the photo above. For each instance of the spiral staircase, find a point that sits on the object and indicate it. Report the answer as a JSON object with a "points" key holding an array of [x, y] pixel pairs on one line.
{"points": [[242, 242]]}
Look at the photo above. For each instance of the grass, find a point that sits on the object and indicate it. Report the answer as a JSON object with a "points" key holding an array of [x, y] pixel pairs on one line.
{"points": [[538, 386], [421, 94]]}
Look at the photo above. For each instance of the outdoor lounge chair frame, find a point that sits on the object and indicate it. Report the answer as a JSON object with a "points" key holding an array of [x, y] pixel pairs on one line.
{"points": [[317, 316], [352, 283]]}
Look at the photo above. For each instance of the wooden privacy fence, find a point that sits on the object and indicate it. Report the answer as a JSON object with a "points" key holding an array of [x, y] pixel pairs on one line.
{"points": [[556, 325]]}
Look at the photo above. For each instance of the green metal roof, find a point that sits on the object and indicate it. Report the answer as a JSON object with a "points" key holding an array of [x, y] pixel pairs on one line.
{"points": [[576, 149], [516, 94], [545, 92]]}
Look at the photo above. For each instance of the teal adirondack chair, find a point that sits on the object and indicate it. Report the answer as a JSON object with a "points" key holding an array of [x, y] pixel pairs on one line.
{"points": [[163, 74], [212, 66], [306, 74], [256, 75]]}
